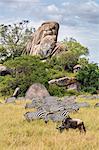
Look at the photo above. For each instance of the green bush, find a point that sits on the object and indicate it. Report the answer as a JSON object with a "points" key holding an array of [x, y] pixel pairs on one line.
{"points": [[71, 92], [91, 90], [68, 59], [56, 90], [65, 61], [88, 77], [6, 85], [26, 71]]}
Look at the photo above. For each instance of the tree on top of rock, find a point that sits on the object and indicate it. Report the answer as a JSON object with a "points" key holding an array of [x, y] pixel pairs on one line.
{"points": [[74, 46], [69, 58]]}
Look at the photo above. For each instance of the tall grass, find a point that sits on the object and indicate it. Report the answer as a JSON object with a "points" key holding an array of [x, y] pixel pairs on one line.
{"points": [[17, 134]]}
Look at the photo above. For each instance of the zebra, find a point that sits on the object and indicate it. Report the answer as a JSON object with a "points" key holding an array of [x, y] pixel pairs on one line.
{"points": [[30, 116], [72, 107], [56, 117], [57, 107]]}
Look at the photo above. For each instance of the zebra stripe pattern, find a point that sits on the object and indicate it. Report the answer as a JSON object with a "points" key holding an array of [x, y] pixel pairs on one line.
{"points": [[35, 115]]}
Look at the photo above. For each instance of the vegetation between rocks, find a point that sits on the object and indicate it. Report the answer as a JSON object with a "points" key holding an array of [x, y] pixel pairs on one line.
{"points": [[26, 70]]}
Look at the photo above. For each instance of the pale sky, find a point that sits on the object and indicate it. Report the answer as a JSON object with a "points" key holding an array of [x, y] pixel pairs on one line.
{"points": [[77, 18]]}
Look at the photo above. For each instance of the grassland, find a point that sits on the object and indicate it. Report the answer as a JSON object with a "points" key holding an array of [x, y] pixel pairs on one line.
{"points": [[18, 134]]}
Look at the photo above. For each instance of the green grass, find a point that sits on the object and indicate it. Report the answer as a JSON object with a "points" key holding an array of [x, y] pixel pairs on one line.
{"points": [[17, 134]]}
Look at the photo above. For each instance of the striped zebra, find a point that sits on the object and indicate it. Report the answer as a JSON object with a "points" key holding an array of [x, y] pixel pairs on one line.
{"points": [[30, 116], [72, 107], [56, 117], [57, 107]]}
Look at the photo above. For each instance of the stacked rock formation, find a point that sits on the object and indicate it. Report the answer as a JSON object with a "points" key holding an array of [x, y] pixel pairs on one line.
{"points": [[44, 40]]}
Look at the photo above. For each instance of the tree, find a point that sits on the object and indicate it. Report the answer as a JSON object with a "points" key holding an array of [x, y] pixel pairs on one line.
{"points": [[69, 58], [88, 77], [83, 61], [74, 46], [13, 39]]}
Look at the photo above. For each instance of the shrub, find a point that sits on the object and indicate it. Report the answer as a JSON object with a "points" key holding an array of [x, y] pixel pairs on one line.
{"points": [[71, 92], [56, 90], [68, 59], [6, 85], [26, 71], [88, 76]]}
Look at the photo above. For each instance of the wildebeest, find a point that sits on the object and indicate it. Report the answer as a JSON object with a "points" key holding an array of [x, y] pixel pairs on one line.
{"points": [[72, 123]]}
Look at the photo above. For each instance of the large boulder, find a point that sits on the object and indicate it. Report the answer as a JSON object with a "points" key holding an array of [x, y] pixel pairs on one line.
{"points": [[4, 70], [70, 82], [36, 90], [43, 41]]}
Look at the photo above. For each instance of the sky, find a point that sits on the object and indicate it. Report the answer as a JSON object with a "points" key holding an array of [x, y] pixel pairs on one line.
{"points": [[77, 18]]}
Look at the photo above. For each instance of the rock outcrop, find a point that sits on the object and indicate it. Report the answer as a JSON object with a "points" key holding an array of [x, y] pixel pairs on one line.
{"points": [[70, 82], [44, 41], [36, 90], [65, 81], [4, 70]]}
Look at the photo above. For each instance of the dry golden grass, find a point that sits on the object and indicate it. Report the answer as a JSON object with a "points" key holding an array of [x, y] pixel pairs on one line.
{"points": [[18, 134]]}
